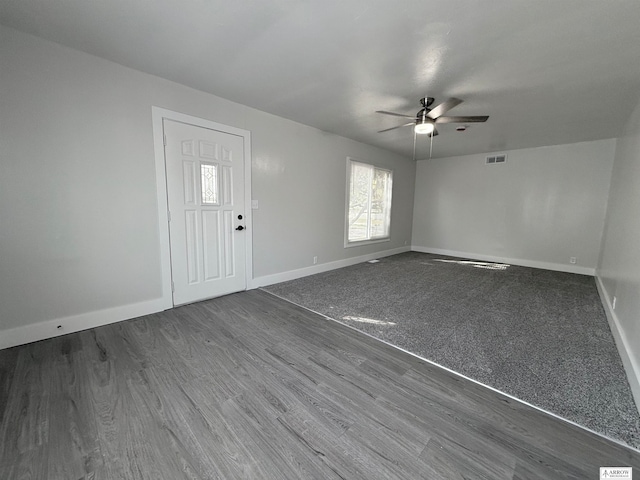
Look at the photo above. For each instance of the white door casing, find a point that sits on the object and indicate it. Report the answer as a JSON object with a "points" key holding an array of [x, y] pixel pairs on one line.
{"points": [[205, 170]]}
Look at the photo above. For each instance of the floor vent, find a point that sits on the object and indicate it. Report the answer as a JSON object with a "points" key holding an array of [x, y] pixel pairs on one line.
{"points": [[496, 159]]}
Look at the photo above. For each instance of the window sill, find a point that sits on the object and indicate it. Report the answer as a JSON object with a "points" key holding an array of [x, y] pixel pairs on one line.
{"points": [[366, 242]]}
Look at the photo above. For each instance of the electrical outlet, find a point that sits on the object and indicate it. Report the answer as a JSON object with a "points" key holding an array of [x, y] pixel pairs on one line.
{"points": [[613, 304], [572, 260], [315, 260]]}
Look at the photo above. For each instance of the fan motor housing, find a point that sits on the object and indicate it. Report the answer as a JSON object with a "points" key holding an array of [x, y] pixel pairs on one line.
{"points": [[422, 113]]}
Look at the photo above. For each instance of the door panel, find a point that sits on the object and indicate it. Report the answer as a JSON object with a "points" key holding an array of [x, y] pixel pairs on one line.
{"points": [[205, 189]]}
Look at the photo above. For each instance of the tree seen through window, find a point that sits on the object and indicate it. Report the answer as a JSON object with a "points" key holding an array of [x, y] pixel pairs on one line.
{"points": [[369, 214]]}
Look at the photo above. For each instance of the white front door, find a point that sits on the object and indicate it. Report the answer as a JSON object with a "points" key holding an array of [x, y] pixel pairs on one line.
{"points": [[205, 190]]}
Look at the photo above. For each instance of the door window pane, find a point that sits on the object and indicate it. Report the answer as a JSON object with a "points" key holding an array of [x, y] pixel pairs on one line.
{"points": [[209, 183]]}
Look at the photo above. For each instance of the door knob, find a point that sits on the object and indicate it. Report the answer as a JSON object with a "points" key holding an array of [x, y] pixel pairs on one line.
{"points": [[239, 227]]}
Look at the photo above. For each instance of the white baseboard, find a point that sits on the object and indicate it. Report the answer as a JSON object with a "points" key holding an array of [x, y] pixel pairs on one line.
{"points": [[631, 366], [62, 326], [324, 267], [559, 267]]}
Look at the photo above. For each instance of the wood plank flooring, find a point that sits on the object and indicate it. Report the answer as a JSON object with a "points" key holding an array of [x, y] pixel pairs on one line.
{"points": [[250, 386]]}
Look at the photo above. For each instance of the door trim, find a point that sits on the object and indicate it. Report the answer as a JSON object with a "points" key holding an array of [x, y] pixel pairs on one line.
{"points": [[158, 115]]}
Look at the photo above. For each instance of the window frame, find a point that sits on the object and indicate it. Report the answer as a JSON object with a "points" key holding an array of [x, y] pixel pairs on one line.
{"points": [[371, 240]]}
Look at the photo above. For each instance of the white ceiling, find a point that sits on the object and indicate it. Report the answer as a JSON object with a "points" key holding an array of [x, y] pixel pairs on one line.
{"points": [[545, 71]]}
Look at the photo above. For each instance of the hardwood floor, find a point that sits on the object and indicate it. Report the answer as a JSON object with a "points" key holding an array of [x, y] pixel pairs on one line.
{"points": [[249, 386]]}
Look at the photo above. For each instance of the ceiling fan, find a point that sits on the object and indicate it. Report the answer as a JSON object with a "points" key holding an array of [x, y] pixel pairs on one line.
{"points": [[424, 122]]}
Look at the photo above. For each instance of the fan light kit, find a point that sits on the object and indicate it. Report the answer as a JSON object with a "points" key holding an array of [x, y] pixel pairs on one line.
{"points": [[424, 125], [422, 128]]}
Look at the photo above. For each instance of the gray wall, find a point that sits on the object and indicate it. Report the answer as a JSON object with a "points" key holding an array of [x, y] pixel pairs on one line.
{"points": [[619, 269], [543, 206], [78, 208]]}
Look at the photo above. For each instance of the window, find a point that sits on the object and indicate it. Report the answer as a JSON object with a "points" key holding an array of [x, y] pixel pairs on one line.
{"points": [[209, 183], [369, 203]]}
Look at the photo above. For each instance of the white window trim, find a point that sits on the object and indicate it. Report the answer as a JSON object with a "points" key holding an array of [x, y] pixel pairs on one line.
{"points": [[359, 243]]}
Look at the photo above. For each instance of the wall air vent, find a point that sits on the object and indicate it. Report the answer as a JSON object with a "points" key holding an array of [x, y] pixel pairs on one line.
{"points": [[502, 158]]}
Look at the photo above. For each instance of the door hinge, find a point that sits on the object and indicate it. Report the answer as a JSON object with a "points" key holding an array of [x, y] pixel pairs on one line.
{"points": [[173, 287], [164, 140], [168, 215]]}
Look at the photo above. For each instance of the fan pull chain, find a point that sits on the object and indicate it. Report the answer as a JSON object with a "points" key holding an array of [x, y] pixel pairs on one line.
{"points": [[414, 145], [431, 144]]}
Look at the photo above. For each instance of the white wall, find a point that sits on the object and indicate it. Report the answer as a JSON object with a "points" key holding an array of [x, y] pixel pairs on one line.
{"points": [[543, 206], [297, 172], [79, 240], [619, 268]]}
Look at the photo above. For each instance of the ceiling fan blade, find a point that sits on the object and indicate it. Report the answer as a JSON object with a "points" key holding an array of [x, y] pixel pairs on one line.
{"points": [[434, 133], [399, 126], [395, 114], [443, 107], [471, 119]]}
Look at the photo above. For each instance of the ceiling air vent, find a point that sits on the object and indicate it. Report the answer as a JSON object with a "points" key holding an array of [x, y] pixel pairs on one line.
{"points": [[496, 159]]}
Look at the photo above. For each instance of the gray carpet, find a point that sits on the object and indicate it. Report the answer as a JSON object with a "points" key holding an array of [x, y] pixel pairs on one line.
{"points": [[538, 335]]}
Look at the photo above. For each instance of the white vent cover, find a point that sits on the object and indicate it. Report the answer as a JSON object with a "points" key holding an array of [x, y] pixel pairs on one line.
{"points": [[496, 159]]}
